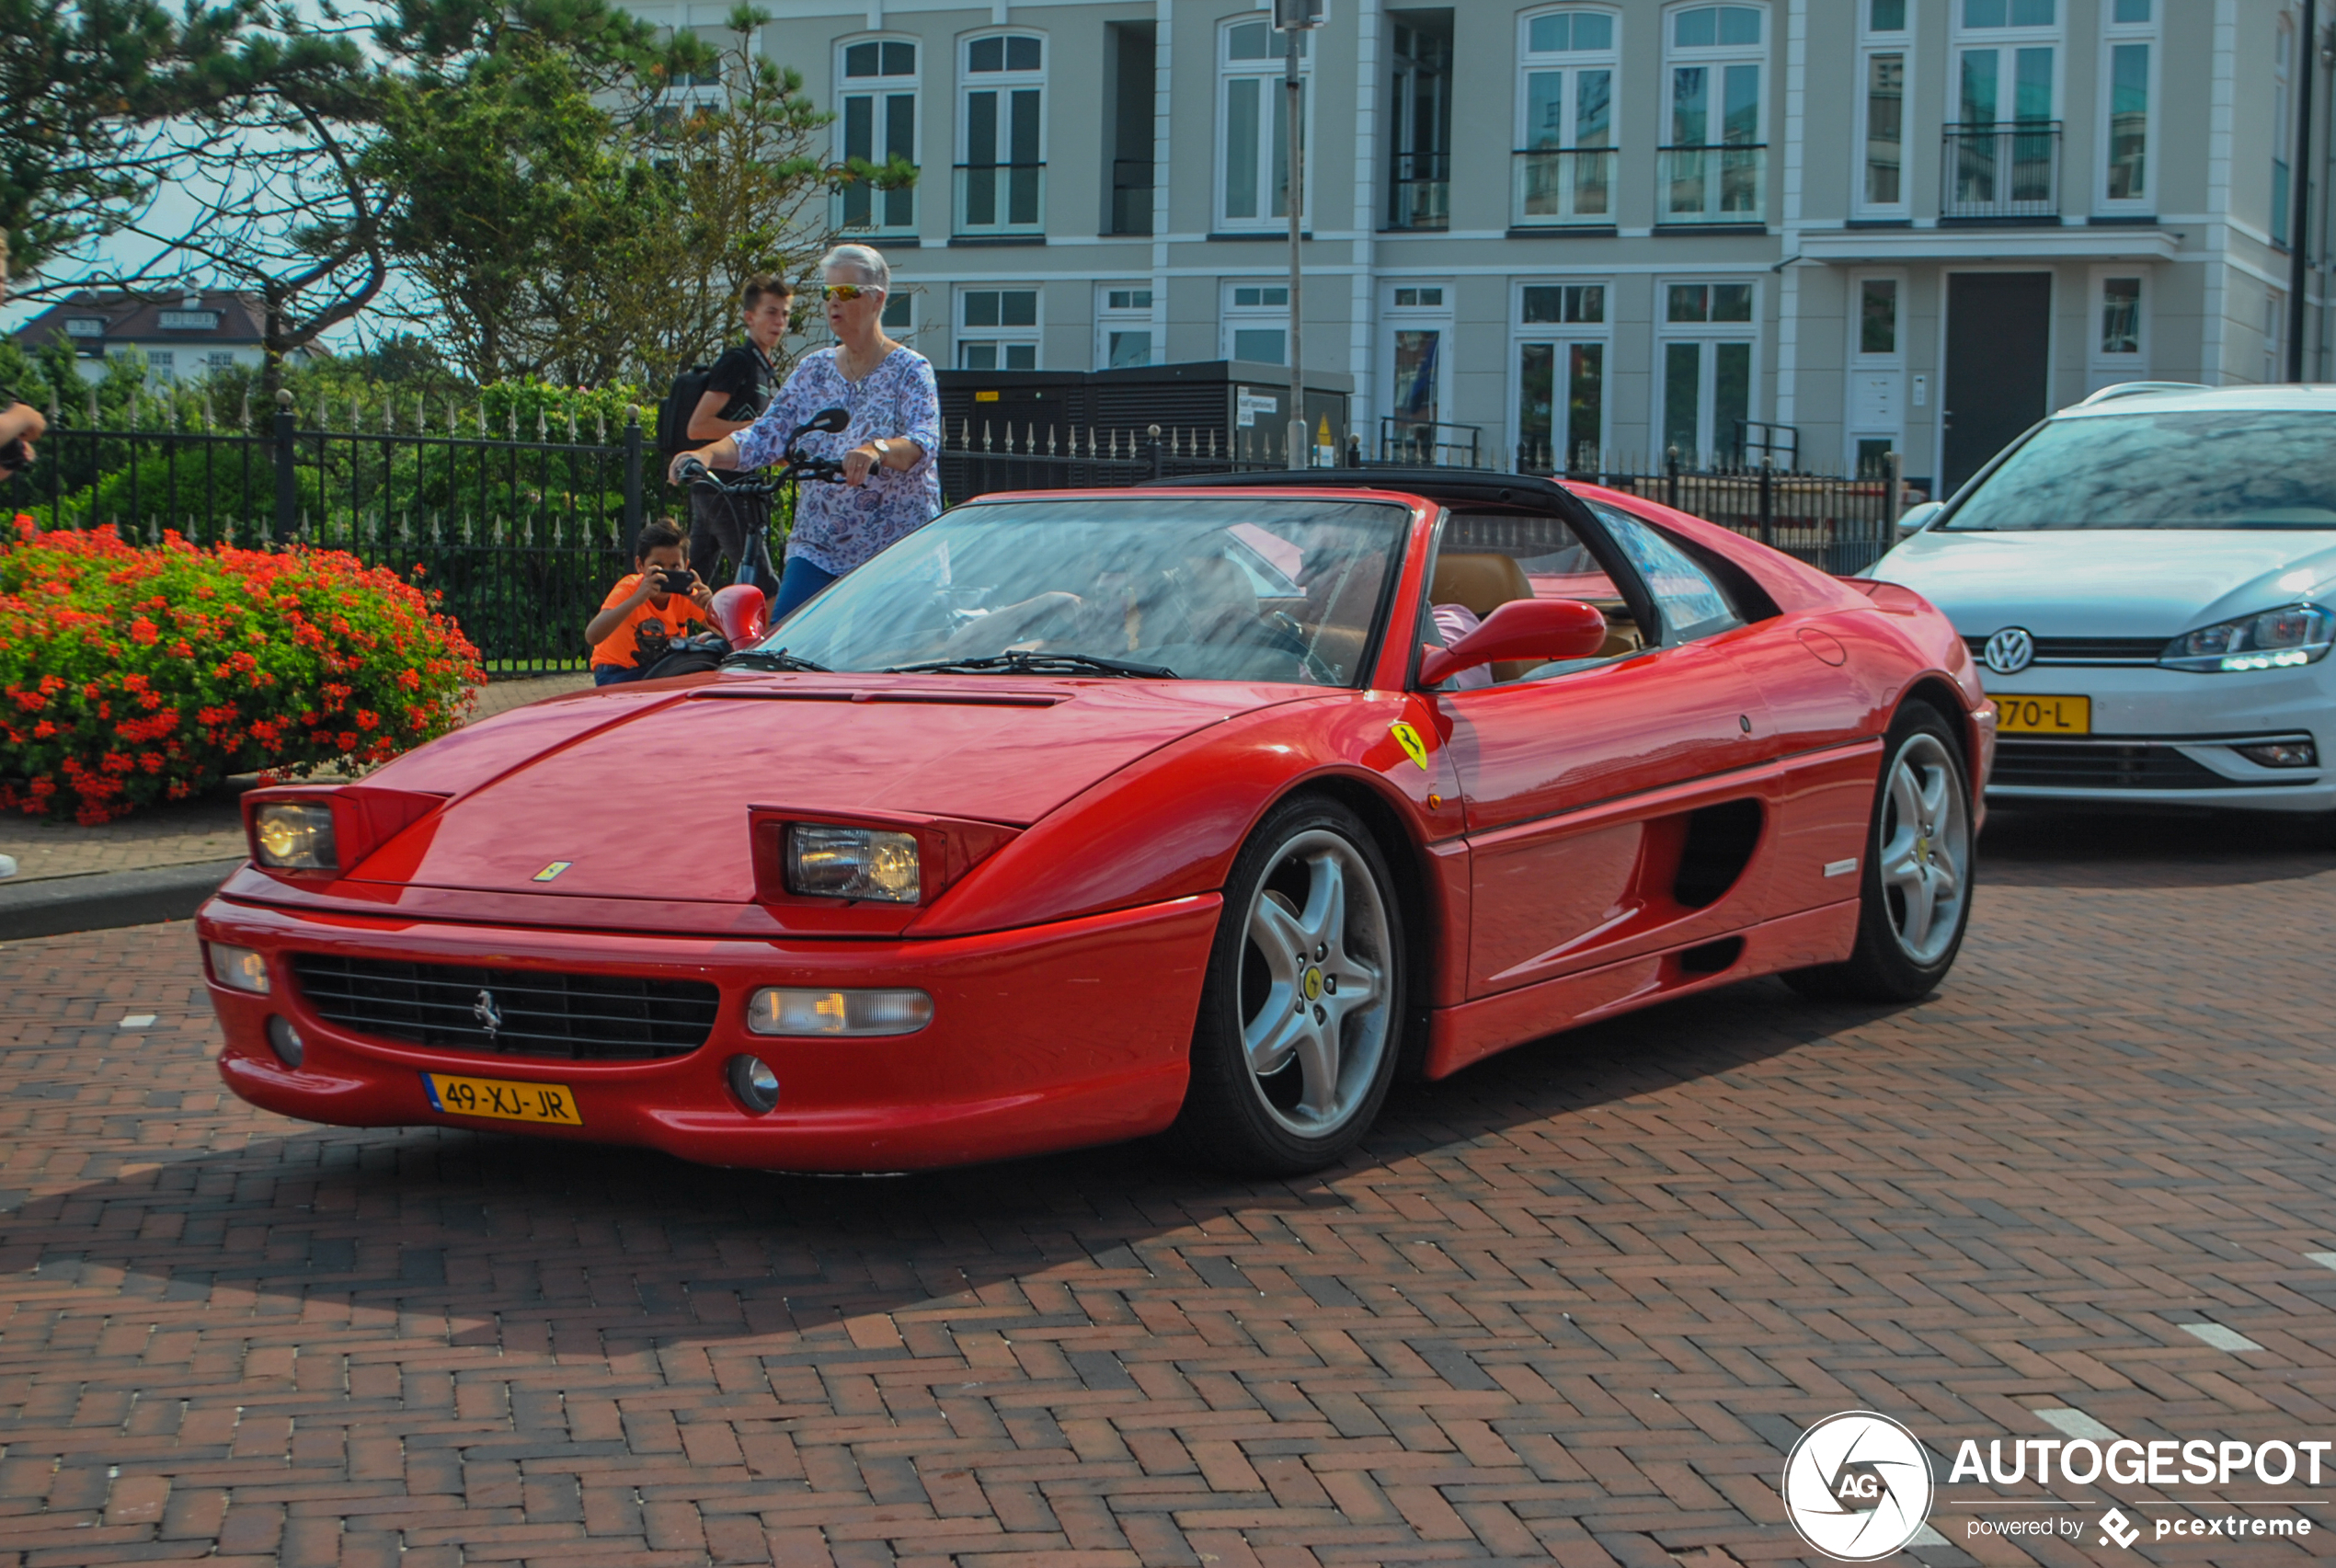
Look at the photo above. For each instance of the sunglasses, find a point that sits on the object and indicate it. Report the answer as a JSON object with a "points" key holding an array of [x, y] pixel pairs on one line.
{"points": [[851, 291]]}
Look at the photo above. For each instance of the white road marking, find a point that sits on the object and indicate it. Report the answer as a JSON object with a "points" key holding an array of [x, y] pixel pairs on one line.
{"points": [[2324, 1260], [1843, 868], [137, 1021], [2075, 1424], [1926, 1536], [2221, 1338]]}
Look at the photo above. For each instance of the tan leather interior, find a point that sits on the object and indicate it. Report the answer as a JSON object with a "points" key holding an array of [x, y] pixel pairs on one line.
{"points": [[1482, 580]]}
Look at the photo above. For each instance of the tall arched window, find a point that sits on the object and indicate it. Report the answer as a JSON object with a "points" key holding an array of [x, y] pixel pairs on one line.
{"points": [[1714, 166], [1001, 128], [1566, 127]]}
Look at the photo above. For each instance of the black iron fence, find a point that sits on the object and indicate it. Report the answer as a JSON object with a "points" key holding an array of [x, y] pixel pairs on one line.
{"points": [[522, 537], [1837, 522]]}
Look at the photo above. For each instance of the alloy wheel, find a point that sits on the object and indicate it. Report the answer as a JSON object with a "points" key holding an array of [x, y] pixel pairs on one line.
{"points": [[1925, 849], [1315, 1004]]}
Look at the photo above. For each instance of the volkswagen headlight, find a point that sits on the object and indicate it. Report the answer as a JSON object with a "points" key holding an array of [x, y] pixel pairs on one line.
{"points": [[852, 863], [294, 838], [2276, 639]]}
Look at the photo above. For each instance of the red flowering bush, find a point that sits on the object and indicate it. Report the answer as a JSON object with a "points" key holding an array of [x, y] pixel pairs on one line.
{"points": [[132, 674]]}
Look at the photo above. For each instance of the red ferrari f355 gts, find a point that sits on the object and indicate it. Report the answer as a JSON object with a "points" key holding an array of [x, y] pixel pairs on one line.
{"points": [[1213, 809]]}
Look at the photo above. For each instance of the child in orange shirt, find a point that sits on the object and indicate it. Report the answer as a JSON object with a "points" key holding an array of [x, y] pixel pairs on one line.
{"points": [[643, 613]]}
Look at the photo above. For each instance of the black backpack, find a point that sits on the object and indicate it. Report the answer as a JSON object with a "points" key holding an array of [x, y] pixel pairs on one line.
{"points": [[673, 414]]}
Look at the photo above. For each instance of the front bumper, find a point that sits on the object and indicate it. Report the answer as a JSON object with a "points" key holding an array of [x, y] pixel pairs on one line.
{"points": [[1045, 1037], [2167, 737]]}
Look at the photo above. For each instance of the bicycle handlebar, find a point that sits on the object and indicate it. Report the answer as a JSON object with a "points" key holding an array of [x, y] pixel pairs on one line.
{"points": [[799, 465]]}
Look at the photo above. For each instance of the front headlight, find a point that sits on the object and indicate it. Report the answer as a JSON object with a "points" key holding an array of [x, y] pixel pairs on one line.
{"points": [[852, 863], [294, 838], [238, 968], [779, 1010], [2276, 639]]}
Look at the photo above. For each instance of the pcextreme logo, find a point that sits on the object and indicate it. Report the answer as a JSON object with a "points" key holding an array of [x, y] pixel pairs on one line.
{"points": [[1857, 1486]]}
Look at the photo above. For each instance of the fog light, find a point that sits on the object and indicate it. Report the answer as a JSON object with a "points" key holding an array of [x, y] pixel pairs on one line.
{"points": [[775, 1009], [285, 1041], [2281, 754], [755, 1084], [238, 968]]}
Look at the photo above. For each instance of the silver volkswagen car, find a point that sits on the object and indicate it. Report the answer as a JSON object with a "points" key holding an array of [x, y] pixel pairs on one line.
{"points": [[2146, 580]]}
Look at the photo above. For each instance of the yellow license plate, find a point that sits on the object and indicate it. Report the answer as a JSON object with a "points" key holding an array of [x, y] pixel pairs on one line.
{"points": [[502, 1098], [2043, 715]]}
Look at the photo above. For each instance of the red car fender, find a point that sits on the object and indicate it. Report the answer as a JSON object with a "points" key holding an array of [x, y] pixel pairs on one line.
{"points": [[1169, 826]]}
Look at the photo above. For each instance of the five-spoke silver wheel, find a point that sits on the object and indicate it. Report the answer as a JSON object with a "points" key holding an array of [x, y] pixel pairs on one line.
{"points": [[1925, 848], [1315, 1013]]}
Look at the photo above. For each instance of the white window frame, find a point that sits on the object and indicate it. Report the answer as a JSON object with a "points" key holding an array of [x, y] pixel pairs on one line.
{"points": [[1001, 83], [1560, 336], [2282, 134], [1124, 318], [963, 337], [1439, 317], [2104, 369], [1961, 37], [1882, 376], [2153, 148], [1270, 101], [1231, 316], [1571, 63], [1869, 44], [1716, 59], [877, 89], [1707, 333]]}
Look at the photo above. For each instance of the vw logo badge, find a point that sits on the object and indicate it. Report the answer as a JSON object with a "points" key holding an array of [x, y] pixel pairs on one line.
{"points": [[489, 1016], [1857, 1486], [2011, 650]]}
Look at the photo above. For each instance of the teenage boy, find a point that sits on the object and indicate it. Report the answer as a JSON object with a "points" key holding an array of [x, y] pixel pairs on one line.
{"points": [[738, 389], [639, 619]]}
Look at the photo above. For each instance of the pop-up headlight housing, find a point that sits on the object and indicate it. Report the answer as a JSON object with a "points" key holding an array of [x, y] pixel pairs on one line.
{"points": [[321, 831]]}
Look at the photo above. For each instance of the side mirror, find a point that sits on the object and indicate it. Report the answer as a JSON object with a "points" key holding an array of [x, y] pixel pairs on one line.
{"points": [[1917, 518], [1523, 628], [831, 420], [742, 613]]}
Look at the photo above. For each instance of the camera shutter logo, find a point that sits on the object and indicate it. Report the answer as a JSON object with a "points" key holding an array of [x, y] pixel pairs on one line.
{"points": [[1857, 1486], [2010, 651]]}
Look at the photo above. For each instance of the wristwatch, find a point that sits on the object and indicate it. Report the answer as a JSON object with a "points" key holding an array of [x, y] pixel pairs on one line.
{"points": [[883, 447]]}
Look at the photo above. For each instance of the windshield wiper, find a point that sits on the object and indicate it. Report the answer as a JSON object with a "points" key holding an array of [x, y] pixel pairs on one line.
{"points": [[773, 659], [1038, 664]]}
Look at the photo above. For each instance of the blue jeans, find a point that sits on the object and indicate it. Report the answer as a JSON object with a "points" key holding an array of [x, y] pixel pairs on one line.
{"points": [[615, 674], [800, 582]]}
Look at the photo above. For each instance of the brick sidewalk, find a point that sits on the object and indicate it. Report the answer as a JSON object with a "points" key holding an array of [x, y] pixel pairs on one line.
{"points": [[187, 832], [1573, 1304]]}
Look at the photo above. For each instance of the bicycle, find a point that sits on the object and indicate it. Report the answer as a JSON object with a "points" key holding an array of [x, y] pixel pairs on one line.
{"points": [[756, 569]]}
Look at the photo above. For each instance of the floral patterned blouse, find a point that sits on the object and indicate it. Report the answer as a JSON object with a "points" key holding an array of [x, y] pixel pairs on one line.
{"points": [[838, 527]]}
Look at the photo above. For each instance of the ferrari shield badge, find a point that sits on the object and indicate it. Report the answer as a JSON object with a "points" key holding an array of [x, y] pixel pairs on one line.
{"points": [[1408, 738], [553, 870]]}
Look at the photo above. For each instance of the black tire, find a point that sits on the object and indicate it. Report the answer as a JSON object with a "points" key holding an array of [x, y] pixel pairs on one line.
{"points": [[1886, 964], [1337, 1054]]}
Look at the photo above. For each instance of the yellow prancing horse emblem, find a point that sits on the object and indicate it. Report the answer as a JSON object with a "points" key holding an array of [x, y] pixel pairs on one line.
{"points": [[1413, 746]]}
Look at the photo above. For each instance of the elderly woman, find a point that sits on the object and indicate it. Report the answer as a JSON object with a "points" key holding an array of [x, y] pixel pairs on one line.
{"points": [[891, 479]]}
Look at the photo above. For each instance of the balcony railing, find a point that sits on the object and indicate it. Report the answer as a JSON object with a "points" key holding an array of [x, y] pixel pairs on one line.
{"points": [[1002, 199], [1419, 191], [1131, 196], [863, 209], [1557, 187], [2010, 170], [1426, 443], [1725, 184]]}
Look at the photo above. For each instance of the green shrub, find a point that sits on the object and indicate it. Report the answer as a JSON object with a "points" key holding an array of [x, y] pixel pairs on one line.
{"points": [[135, 674]]}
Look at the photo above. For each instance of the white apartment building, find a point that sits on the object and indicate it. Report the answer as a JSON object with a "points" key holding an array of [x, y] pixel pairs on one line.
{"points": [[1615, 226]]}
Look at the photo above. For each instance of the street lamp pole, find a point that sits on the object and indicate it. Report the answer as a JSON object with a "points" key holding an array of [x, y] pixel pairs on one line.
{"points": [[1294, 17]]}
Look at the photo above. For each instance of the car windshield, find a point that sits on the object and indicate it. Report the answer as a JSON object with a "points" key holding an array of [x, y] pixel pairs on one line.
{"points": [[2249, 468], [1221, 589]]}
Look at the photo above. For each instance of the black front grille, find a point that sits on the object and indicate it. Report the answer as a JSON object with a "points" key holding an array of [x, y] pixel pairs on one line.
{"points": [[578, 1017], [2104, 765], [2088, 650]]}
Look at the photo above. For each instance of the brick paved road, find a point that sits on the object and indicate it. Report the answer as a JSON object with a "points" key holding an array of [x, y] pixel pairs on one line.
{"points": [[1573, 1304]]}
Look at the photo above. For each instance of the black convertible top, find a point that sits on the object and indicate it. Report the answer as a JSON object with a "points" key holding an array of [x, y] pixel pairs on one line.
{"points": [[1472, 489]]}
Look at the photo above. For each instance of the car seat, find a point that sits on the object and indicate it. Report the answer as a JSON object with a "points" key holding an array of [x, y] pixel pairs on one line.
{"points": [[1483, 581]]}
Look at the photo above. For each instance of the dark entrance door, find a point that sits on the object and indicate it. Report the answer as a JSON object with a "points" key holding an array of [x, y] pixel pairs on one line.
{"points": [[1999, 353]]}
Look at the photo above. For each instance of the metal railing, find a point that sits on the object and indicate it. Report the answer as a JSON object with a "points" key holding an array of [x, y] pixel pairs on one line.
{"points": [[1001, 199], [1839, 523], [521, 537], [1428, 441], [1558, 186], [1419, 191], [1725, 184], [1131, 182], [2005, 171], [979, 458]]}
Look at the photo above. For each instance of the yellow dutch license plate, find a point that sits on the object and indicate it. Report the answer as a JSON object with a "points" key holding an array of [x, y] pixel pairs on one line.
{"points": [[502, 1098], [2043, 715]]}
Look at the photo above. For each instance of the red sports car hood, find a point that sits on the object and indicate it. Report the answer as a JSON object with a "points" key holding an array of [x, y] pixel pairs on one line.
{"points": [[645, 791]]}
